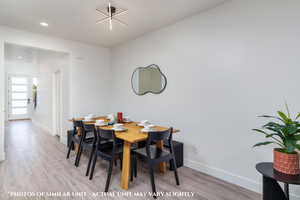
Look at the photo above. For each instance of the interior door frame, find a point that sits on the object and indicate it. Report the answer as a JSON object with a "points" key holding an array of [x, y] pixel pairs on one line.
{"points": [[30, 107], [57, 109]]}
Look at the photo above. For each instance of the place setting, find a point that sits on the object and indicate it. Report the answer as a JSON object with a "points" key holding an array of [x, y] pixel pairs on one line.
{"points": [[89, 118], [147, 126], [101, 122], [119, 127]]}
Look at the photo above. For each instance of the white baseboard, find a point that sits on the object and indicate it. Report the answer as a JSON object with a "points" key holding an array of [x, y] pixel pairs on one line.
{"points": [[41, 126], [63, 140], [229, 177]]}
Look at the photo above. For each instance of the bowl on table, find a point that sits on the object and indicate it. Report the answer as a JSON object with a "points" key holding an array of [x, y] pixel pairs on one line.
{"points": [[144, 123], [127, 119], [87, 119], [101, 122], [148, 128], [119, 127]]}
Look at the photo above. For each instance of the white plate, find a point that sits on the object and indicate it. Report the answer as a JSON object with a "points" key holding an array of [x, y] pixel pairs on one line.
{"points": [[101, 124], [90, 120], [140, 124], [119, 129], [147, 130]]}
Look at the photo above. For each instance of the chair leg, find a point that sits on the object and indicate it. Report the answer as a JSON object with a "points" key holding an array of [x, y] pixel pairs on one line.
{"points": [[70, 148], [121, 163], [175, 171], [135, 166], [93, 166], [79, 156], [109, 175], [131, 168], [151, 173], [90, 161]]}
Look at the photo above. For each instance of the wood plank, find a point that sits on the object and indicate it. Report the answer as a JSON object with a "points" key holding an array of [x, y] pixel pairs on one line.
{"points": [[126, 165]]}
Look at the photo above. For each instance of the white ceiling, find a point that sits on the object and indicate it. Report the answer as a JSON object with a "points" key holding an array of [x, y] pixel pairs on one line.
{"points": [[75, 19]]}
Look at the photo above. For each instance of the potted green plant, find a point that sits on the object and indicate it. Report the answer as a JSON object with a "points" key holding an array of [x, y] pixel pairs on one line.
{"points": [[285, 133]]}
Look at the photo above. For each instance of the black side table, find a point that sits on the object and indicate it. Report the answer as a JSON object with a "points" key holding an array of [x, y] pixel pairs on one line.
{"points": [[271, 177]]}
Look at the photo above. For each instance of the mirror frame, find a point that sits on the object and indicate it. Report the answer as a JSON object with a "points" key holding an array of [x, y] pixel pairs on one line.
{"points": [[149, 66]]}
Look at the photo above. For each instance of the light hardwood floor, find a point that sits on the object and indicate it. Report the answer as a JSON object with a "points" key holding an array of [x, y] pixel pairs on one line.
{"points": [[36, 163]]}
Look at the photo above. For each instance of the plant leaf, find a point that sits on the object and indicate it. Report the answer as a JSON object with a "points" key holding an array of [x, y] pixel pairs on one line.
{"points": [[297, 146], [277, 128], [297, 137], [292, 129], [284, 117], [262, 143], [271, 135], [269, 116], [260, 131], [291, 145], [297, 116]]}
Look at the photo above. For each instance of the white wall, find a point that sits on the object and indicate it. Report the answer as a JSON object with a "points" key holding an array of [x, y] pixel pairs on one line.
{"points": [[47, 64], [224, 67], [20, 67], [87, 78], [2, 101]]}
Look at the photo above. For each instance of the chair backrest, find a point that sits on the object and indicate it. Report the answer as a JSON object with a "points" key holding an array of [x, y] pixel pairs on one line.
{"points": [[104, 136], [155, 136], [84, 128], [89, 128], [77, 124]]}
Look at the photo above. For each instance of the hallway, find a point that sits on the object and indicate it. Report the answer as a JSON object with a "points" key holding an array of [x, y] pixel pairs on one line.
{"points": [[35, 162]]}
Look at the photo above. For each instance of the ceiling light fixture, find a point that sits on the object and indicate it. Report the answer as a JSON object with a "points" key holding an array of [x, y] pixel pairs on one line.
{"points": [[44, 24], [20, 57], [110, 12]]}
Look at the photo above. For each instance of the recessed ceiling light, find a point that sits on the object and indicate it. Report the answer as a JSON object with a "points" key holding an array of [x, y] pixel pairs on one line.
{"points": [[20, 57], [45, 24]]}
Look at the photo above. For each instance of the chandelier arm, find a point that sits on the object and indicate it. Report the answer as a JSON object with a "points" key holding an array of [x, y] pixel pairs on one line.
{"points": [[120, 13], [102, 20], [120, 22], [102, 13]]}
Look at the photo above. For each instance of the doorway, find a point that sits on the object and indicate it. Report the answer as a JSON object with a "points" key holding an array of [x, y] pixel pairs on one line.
{"points": [[19, 97]]}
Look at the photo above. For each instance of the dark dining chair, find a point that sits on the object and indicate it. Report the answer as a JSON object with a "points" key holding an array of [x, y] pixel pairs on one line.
{"points": [[84, 140], [154, 155], [106, 153]]}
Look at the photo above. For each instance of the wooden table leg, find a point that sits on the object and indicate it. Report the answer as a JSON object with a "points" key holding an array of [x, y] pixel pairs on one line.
{"points": [[126, 165], [163, 165]]}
